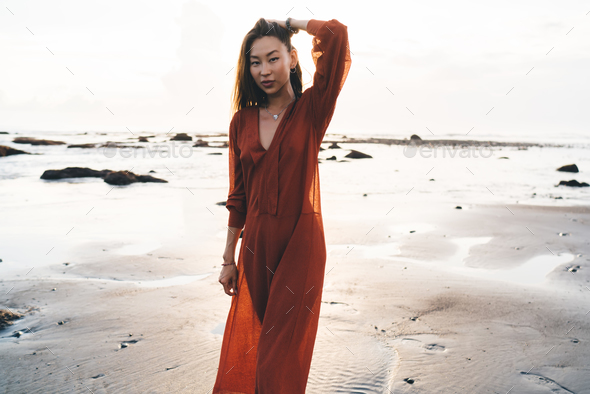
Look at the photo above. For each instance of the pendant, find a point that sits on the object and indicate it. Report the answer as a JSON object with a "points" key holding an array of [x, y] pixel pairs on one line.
{"points": [[275, 116]]}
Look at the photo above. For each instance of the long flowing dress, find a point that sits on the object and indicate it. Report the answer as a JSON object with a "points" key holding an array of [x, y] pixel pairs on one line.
{"points": [[275, 198]]}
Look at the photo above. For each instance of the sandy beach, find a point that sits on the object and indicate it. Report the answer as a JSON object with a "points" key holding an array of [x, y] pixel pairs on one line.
{"points": [[118, 291]]}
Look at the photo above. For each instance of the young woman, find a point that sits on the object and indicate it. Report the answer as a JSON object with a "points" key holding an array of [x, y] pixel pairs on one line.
{"points": [[274, 197]]}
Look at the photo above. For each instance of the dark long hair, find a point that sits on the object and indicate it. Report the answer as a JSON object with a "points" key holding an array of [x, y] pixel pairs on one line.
{"points": [[246, 93]]}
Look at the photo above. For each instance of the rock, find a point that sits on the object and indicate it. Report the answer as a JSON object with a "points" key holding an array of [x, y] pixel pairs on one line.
{"points": [[121, 178], [8, 151], [109, 176], [89, 145], [331, 158], [7, 317], [215, 153], [181, 137], [415, 137], [573, 183], [74, 172], [503, 157], [458, 207], [3, 132], [34, 141], [354, 154], [569, 168], [143, 139], [200, 142], [334, 146]]}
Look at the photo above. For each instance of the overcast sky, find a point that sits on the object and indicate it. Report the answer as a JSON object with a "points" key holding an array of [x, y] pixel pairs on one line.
{"points": [[417, 66]]}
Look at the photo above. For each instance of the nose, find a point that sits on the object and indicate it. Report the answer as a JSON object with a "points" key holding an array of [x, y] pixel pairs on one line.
{"points": [[264, 69]]}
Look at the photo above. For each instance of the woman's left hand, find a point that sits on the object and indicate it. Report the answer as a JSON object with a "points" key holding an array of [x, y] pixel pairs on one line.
{"points": [[280, 23]]}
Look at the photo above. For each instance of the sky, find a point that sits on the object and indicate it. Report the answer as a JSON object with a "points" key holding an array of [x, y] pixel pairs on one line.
{"points": [[514, 69]]}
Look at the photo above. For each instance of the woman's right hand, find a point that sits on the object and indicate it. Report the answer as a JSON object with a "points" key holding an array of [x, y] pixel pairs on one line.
{"points": [[229, 279]]}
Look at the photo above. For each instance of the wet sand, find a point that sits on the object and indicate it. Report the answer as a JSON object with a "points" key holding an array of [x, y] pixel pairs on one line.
{"points": [[433, 310]]}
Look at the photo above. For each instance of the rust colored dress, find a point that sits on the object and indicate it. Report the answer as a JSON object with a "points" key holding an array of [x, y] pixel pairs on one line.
{"points": [[275, 198]]}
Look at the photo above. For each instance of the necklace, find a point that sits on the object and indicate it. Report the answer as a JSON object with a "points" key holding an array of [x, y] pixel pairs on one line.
{"points": [[277, 115]]}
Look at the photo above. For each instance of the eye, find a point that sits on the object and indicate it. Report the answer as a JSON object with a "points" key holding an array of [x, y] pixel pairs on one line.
{"points": [[274, 58]]}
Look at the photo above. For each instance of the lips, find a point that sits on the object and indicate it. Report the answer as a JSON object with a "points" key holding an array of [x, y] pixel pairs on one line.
{"points": [[267, 84]]}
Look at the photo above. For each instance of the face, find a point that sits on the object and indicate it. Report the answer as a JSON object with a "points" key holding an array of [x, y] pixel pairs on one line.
{"points": [[270, 60]]}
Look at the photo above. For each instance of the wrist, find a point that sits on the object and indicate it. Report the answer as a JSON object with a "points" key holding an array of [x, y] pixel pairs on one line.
{"points": [[298, 24]]}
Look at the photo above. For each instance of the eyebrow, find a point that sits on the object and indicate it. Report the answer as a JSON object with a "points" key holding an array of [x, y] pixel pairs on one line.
{"points": [[266, 54]]}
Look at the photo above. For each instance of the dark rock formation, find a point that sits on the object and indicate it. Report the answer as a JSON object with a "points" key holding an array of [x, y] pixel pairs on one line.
{"points": [[7, 317], [126, 178], [569, 168], [89, 145], [355, 154], [200, 142], [74, 172], [109, 176], [34, 141], [181, 137], [573, 183], [8, 151]]}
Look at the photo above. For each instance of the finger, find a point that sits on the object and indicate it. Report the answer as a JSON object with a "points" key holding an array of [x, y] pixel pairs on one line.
{"points": [[233, 285]]}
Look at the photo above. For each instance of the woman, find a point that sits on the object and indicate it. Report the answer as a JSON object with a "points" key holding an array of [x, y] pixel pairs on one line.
{"points": [[274, 196]]}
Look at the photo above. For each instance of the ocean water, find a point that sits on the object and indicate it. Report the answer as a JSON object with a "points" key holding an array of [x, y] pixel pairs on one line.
{"points": [[46, 222]]}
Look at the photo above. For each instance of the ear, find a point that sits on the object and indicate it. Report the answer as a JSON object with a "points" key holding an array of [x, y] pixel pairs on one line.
{"points": [[294, 57]]}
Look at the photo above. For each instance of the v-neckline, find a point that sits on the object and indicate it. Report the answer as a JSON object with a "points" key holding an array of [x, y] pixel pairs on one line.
{"points": [[274, 137]]}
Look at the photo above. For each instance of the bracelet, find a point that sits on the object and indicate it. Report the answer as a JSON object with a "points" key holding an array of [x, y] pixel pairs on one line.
{"points": [[294, 31], [224, 264]]}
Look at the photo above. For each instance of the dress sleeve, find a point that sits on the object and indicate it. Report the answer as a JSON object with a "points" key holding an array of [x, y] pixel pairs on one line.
{"points": [[331, 56], [236, 199]]}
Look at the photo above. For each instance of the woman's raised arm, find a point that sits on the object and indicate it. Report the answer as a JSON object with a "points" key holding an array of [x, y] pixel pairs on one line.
{"points": [[331, 56]]}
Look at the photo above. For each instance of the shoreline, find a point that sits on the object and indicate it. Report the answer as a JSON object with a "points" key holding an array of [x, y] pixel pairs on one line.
{"points": [[403, 320]]}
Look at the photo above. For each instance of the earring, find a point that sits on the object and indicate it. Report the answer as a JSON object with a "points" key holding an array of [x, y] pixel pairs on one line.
{"points": [[293, 70]]}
